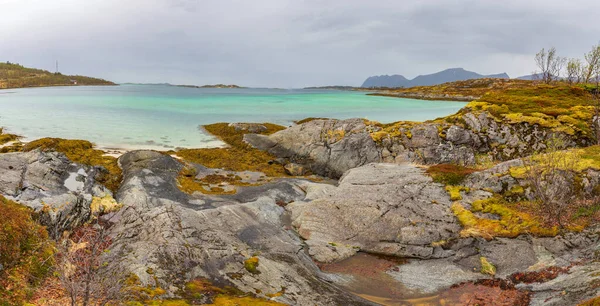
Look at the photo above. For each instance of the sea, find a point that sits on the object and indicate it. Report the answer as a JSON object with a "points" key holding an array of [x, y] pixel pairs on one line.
{"points": [[164, 117]]}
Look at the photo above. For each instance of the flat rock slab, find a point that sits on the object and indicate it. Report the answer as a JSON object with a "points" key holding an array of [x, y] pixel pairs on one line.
{"points": [[392, 209]]}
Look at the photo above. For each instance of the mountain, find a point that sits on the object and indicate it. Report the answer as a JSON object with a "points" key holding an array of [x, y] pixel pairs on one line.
{"points": [[531, 77], [17, 76], [448, 75]]}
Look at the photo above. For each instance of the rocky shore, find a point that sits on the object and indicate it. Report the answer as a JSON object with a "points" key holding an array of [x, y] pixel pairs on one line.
{"points": [[324, 193]]}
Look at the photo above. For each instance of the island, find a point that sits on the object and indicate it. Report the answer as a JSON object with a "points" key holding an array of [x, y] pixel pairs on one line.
{"points": [[17, 76], [212, 86]]}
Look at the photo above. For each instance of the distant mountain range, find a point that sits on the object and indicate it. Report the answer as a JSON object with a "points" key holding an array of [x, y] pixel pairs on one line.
{"points": [[448, 75]]}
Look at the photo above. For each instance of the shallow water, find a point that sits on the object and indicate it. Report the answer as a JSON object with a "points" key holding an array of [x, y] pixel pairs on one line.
{"points": [[165, 117]]}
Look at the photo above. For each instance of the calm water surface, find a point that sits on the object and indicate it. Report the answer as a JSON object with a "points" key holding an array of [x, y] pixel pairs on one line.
{"points": [[165, 117]]}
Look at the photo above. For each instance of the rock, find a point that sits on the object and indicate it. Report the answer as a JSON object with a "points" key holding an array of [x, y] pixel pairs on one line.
{"points": [[295, 169], [255, 128], [327, 147], [182, 237], [61, 191], [381, 208], [431, 276]]}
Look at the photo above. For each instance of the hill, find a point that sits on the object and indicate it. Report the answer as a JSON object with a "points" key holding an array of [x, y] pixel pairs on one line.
{"points": [[448, 75], [17, 76]]}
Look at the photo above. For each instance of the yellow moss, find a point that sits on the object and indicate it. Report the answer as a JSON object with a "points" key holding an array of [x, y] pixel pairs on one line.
{"points": [[511, 224], [539, 120], [187, 182], [335, 135], [439, 243], [578, 160], [516, 190], [239, 156], [251, 265], [454, 192], [487, 267], [104, 205]]}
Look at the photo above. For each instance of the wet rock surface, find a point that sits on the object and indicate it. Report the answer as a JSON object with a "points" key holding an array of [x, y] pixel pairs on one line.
{"points": [[181, 237]]}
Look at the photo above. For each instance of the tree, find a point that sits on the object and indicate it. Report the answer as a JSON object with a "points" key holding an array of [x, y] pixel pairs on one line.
{"points": [[82, 268], [550, 64], [574, 66], [592, 67]]}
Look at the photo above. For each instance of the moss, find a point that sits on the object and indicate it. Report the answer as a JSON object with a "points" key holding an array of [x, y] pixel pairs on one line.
{"points": [[187, 182], [578, 160], [5, 138], [591, 302], [239, 156], [487, 267], [104, 205], [454, 192], [251, 265], [333, 136], [83, 152], [511, 224], [449, 174]]}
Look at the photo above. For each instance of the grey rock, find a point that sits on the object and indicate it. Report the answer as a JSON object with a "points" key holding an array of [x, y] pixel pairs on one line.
{"points": [[328, 147], [61, 191], [381, 208], [183, 236]]}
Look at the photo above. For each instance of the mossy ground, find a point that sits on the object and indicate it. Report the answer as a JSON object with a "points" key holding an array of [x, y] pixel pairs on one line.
{"points": [[559, 107], [26, 253], [513, 220], [6, 138], [83, 152], [239, 156]]}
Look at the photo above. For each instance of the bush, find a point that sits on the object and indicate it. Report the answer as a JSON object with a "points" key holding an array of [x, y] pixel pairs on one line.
{"points": [[25, 252]]}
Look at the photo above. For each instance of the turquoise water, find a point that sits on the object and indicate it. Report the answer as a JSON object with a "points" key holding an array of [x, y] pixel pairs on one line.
{"points": [[166, 117]]}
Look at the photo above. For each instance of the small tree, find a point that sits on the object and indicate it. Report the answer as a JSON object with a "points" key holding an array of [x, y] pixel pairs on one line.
{"points": [[550, 64], [550, 179], [574, 70], [81, 267], [592, 66]]}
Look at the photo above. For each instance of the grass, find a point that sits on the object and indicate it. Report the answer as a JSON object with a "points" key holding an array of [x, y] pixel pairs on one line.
{"points": [[83, 152], [239, 156], [487, 267]]}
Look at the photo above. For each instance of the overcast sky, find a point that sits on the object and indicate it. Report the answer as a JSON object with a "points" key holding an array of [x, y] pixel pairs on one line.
{"points": [[289, 43]]}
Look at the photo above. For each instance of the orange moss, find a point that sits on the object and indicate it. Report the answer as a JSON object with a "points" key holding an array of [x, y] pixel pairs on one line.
{"points": [[449, 174]]}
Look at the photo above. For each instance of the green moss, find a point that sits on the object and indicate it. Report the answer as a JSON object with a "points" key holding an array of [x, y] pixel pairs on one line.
{"points": [[251, 265], [83, 152], [487, 267]]}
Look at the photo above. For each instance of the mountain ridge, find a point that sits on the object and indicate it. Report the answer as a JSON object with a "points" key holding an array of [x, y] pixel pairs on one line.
{"points": [[444, 76]]}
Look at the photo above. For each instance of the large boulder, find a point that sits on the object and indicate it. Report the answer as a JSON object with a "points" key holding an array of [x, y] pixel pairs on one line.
{"points": [[179, 237], [392, 209], [328, 147], [60, 190]]}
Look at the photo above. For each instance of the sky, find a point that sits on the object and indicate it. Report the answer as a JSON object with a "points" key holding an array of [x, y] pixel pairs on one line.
{"points": [[290, 43]]}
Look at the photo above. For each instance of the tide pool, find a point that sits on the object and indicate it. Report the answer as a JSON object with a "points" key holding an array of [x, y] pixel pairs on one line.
{"points": [[167, 117]]}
